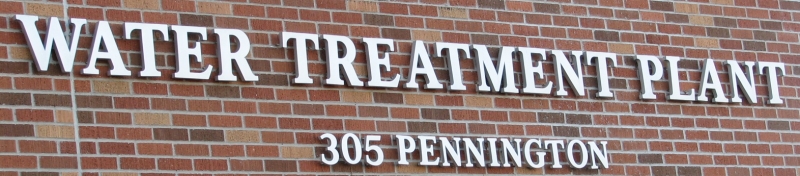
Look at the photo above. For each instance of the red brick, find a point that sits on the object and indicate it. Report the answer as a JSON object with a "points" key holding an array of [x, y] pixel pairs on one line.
{"points": [[249, 10], [324, 95], [291, 94], [123, 15], [11, 7], [34, 115], [224, 121], [33, 83], [98, 163], [294, 123], [113, 118], [34, 146], [58, 162], [262, 151], [340, 110], [246, 165], [178, 5], [191, 150], [405, 113], [444, 100], [266, 25], [104, 3], [282, 13], [174, 164], [393, 8], [205, 105], [275, 108], [373, 111], [154, 149], [344, 17], [332, 4], [360, 125], [134, 133], [186, 90], [452, 128], [240, 107], [210, 165]]}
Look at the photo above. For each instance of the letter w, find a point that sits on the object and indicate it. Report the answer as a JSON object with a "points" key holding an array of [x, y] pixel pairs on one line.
{"points": [[42, 51]]}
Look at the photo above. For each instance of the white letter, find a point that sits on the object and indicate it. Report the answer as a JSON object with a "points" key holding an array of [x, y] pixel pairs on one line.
{"points": [[148, 45], [554, 145], [530, 72], [645, 78], [346, 61], [504, 71], [41, 51], [710, 75], [103, 35], [426, 151], [571, 157], [183, 52], [540, 155], [475, 152], [493, 151], [405, 145], [419, 57], [574, 72], [378, 151], [456, 81], [739, 79], [602, 71], [674, 82], [447, 148], [226, 55], [601, 155], [512, 151], [374, 62], [772, 79], [300, 53]]}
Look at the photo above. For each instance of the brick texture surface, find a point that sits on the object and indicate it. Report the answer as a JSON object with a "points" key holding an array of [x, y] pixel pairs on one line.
{"points": [[163, 126]]}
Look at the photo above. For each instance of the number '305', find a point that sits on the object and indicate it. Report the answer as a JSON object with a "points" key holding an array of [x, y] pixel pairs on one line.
{"points": [[366, 150]]}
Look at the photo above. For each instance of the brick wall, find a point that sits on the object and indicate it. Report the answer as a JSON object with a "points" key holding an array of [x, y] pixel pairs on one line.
{"points": [[165, 126]]}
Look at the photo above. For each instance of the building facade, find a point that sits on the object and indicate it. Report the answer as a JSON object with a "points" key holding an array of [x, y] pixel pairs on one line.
{"points": [[407, 87]]}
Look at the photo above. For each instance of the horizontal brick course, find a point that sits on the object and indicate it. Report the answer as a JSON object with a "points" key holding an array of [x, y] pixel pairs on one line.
{"points": [[162, 125]]}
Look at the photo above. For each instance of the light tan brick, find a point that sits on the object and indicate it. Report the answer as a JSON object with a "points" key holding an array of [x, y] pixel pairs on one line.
{"points": [[528, 171], [46, 10], [361, 69], [152, 119], [418, 99], [117, 87], [452, 12], [725, 2], [118, 174], [143, 4], [69, 174], [242, 136], [706, 42], [214, 7], [413, 168], [55, 131], [701, 20], [20, 53], [686, 8], [297, 152], [64, 116], [621, 48], [427, 35], [475, 101], [363, 6], [357, 97]]}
